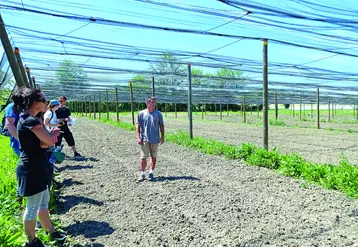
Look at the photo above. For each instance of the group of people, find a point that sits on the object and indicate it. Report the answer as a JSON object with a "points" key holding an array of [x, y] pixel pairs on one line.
{"points": [[35, 130]]}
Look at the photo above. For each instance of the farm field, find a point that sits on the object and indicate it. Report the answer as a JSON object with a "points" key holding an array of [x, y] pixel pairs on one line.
{"points": [[197, 199], [325, 145]]}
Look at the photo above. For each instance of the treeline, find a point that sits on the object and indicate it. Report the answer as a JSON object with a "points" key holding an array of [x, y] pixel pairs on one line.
{"points": [[163, 107]]}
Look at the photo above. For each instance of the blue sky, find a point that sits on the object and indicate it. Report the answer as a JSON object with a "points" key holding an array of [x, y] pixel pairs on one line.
{"points": [[143, 13]]}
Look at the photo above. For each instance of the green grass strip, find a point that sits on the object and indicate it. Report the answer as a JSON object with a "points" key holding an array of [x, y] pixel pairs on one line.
{"points": [[342, 177]]}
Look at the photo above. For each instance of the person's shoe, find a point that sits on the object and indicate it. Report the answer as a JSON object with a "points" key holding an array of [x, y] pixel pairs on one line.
{"points": [[35, 243], [38, 225], [77, 155], [141, 178], [150, 177], [58, 236]]}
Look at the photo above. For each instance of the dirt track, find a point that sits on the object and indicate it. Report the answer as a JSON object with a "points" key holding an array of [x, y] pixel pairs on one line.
{"points": [[197, 200]]}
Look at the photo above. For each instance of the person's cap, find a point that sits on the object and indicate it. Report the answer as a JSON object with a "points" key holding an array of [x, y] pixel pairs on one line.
{"points": [[54, 103]]}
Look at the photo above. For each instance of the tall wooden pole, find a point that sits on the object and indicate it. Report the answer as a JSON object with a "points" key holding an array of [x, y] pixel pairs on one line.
{"points": [[265, 93], [190, 103], [117, 104], [21, 66], [10, 54], [318, 120], [132, 103]]}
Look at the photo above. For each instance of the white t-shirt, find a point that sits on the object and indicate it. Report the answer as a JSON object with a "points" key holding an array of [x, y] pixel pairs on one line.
{"points": [[51, 115]]}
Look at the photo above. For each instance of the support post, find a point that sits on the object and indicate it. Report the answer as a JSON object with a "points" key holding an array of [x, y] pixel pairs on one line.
{"points": [[132, 103], [265, 93], [190, 103], [117, 111], [10, 54], [318, 120]]}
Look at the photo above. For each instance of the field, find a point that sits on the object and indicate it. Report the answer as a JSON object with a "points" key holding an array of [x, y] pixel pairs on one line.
{"points": [[200, 199]]}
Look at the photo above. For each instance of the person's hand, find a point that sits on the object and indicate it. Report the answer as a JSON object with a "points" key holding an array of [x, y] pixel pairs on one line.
{"points": [[140, 141], [55, 132], [162, 141], [43, 145]]}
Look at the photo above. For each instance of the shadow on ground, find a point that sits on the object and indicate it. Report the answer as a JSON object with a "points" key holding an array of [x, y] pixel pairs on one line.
{"points": [[90, 229], [67, 202], [175, 178]]}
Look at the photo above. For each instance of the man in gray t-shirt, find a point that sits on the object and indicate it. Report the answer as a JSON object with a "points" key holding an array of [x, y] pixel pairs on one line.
{"points": [[150, 133]]}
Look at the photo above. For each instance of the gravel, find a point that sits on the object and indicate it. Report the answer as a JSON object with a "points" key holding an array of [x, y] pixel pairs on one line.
{"points": [[196, 199]]}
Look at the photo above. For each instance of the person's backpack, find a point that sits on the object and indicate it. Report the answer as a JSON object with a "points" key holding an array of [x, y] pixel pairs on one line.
{"points": [[4, 130]]}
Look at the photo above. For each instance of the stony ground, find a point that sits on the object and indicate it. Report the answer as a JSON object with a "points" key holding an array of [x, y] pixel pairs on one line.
{"points": [[196, 199]]}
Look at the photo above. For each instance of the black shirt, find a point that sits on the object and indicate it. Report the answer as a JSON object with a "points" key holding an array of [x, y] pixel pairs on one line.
{"points": [[63, 112], [31, 170]]}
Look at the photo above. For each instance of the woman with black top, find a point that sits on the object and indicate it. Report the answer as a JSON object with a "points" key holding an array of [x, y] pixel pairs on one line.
{"points": [[31, 170]]}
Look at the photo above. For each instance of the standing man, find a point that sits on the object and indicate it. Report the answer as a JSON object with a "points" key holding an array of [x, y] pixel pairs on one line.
{"points": [[63, 114], [150, 122]]}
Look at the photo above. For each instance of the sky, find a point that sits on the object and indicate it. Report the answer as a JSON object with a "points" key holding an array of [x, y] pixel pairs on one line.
{"points": [[329, 28]]}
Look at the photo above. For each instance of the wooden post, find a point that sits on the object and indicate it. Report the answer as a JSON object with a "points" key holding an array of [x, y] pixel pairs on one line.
{"points": [[10, 54], [354, 111], [117, 111], [265, 93], [165, 109], [329, 110], [94, 106], [311, 110], [258, 110], [300, 109], [227, 110], [99, 105], [221, 112], [89, 106], [21, 66], [244, 107], [276, 106], [215, 110], [153, 87], [107, 102], [318, 120], [202, 111], [29, 77], [175, 109], [190, 103], [132, 103]]}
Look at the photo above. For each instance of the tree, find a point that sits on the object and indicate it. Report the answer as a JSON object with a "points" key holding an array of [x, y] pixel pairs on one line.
{"points": [[169, 67], [236, 79], [141, 81], [71, 73]]}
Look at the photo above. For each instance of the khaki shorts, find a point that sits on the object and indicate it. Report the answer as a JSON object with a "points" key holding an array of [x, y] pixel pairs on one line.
{"points": [[149, 149]]}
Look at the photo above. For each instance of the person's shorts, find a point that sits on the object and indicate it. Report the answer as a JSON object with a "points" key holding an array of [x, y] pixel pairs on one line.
{"points": [[149, 149]]}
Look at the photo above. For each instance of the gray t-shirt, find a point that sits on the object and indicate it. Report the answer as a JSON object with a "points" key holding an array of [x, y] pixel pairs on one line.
{"points": [[149, 123]]}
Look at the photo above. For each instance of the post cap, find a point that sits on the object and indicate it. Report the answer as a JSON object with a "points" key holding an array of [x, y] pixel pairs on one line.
{"points": [[17, 50]]}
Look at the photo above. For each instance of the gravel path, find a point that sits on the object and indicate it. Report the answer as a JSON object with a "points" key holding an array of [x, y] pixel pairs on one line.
{"points": [[196, 200]]}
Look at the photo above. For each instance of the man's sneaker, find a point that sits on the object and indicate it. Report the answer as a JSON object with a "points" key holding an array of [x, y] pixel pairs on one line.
{"points": [[141, 178], [150, 177], [77, 155], [35, 243], [58, 236]]}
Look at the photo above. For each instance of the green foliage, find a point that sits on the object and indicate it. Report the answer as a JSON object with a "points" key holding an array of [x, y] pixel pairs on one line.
{"points": [[4, 95], [232, 74], [141, 81], [10, 226], [277, 123], [71, 73]]}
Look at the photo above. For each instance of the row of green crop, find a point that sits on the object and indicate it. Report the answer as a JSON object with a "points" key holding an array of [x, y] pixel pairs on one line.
{"points": [[11, 227], [342, 177]]}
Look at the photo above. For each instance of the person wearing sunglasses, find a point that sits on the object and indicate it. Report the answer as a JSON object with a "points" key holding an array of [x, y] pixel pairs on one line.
{"points": [[64, 115], [31, 171]]}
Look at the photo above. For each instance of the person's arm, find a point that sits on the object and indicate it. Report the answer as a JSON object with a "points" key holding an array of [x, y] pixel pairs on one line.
{"points": [[162, 133], [10, 125], [47, 123], [44, 136], [137, 128]]}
